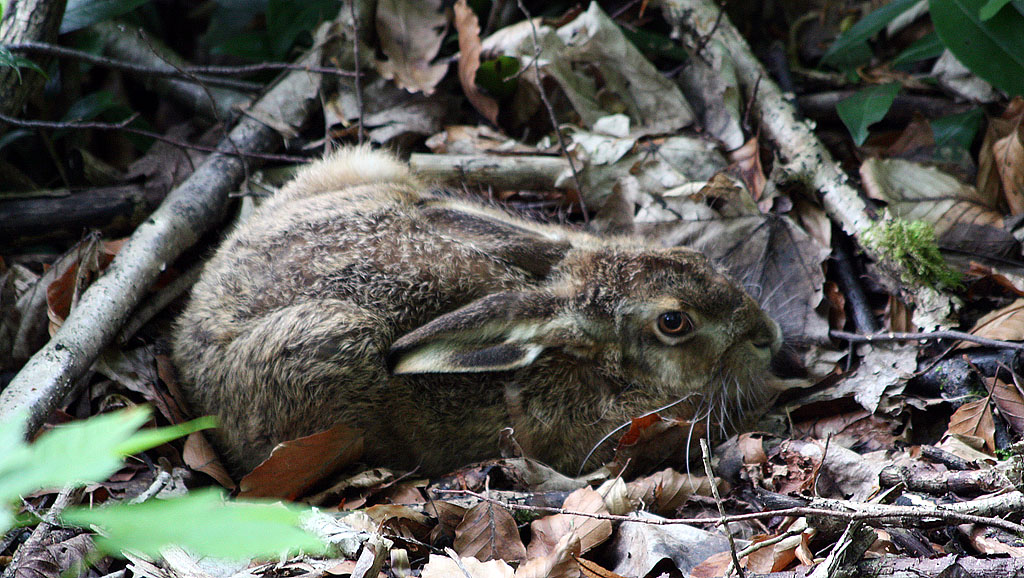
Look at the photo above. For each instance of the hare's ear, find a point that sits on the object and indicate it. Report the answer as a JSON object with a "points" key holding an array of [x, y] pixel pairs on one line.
{"points": [[495, 333]]}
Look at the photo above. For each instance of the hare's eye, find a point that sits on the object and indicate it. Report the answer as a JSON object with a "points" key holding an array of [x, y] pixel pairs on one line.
{"points": [[674, 323]]}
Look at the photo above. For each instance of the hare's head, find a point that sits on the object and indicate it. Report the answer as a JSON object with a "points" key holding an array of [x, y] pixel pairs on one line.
{"points": [[637, 327]]}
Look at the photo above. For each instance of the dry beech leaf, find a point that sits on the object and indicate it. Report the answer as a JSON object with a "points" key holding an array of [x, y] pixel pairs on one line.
{"points": [[715, 566], [974, 419], [448, 515], [1005, 324], [919, 193], [989, 169], [986, 543], [747, 159], [446, 567], [549, 530], [468, 26], [616, 496], [294, 466], [559, 563], [1008, 153], [668, 489], [199, 455], [410, 36], [590, 569], [752, 449], [488, 532], [773, 558], [1009, 398]]}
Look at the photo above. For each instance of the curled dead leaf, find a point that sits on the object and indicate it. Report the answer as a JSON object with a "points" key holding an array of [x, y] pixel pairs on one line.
{"points": [[489, 532], [549, 530], [974, 419], [468, 26], [295, 466]]}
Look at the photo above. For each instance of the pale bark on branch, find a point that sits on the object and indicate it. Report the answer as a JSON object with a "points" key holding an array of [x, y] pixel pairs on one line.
{"points": [[191, 208]]}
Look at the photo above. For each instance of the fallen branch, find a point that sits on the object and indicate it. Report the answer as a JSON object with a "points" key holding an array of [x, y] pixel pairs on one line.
{"points": [[895, 567], [192, 207], [502, 172], [62, 214], [806, 158]]}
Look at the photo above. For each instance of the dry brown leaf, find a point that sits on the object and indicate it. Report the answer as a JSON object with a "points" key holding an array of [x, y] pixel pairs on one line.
{"points": [[773, 558], [559, 563], [447, 567], [448, 515], [715, 566], [752, 449], [918, 192], [294, 466], [469, 61], [1005, 324], [199, 455], [988, 542], [591, 569], [1008, 154], [667, 490], [410, 36], [974, 419], [989, 178], [747, 160], [549, 530], [1009, 398], [489, 532]]}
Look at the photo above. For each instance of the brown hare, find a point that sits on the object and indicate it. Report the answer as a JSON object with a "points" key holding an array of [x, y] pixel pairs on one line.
{"points": [[358, 295]]}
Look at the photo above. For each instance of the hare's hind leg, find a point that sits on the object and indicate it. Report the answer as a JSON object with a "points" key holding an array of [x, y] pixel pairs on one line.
{"points": [[296, 371]]}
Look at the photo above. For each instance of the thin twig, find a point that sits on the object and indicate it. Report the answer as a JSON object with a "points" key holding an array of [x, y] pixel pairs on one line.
{"points": [[930, 336], [878, 513], [551, 111], [32, 47], [76, 125], [706, 453]]}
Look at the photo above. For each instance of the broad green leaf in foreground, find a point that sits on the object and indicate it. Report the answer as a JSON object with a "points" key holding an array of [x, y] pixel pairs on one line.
{"points": [[839, 54], [957, 129], [9, 59], [928, 46], [865, 108], [203, 521], [82, 451], [993, 49]]}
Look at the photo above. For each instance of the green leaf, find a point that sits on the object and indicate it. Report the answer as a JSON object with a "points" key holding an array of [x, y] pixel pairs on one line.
{"points": [[82, 13], [202, 522], [498, 76], [928, 46], [992, 49], [865, 108], [82, 451], [9, 59], [957, 129], [655, 45], [991, 7], [90, 106], [840, 54], [150, 438]]}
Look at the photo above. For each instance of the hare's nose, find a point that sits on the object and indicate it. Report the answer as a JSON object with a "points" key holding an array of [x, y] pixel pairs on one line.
{"points": [[768, 336]]}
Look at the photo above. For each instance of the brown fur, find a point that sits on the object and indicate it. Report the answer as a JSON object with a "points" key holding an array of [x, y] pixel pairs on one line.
{"points": [[358, 296]]}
